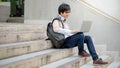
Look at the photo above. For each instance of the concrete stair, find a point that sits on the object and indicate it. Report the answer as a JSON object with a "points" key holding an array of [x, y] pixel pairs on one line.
{"points": [[20, 48], [104, 57], [15, 19], [77, 62], [115, 64], [36, 59], [70, 62], [24, 46], [11, 33]]}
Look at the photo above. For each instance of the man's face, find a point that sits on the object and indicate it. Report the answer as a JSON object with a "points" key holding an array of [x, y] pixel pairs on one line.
{"points": [[65, 14]]}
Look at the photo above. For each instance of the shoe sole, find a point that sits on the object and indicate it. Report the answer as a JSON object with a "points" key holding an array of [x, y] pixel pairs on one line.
{"points": [[98, 64]]}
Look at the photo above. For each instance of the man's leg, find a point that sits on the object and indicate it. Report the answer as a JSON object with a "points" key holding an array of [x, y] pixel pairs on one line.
{"points": [[77, 40], [91, 47], [92, 51], [73, 41]]}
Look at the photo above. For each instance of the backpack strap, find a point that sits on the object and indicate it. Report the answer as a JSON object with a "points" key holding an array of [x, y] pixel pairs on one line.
{"points": [[58, 20]]}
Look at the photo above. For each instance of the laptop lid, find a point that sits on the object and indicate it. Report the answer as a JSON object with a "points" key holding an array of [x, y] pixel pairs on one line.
{"points": [[85, 27]]}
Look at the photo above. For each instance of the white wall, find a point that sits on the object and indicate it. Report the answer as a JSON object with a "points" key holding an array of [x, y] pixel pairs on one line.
{"points": [[4, 11], [41, 10], [112, 7], [103, 30]]}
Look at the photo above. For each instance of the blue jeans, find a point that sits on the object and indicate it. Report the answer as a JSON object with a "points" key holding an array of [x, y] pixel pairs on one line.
{"points": [[79, 39]]}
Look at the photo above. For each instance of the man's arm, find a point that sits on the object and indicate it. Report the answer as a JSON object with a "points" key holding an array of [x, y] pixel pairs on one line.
{"points": [[57, 26]]}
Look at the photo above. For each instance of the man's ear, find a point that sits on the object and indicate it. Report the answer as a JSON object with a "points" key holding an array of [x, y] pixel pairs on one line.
{"points": [[61, 13]]}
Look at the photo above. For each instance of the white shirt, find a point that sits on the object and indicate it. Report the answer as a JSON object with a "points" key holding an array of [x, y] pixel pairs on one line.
{"points": [[57, 26]]}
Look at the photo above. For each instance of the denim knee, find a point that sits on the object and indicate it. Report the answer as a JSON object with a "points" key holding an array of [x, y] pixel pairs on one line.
{"points": [[88, 37], [81, 36]]}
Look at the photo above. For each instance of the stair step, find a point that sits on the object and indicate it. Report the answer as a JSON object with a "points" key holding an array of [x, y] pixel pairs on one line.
{"points": [[16, 19], [115, 53], [36, 59], [10, 33], [21, 27], [21, 37], [115, 64], [73, 61], [108, 58], [14, 49]]}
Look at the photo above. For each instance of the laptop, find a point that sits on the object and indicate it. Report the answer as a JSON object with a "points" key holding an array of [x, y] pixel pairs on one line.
{"points": [[85, 27]]}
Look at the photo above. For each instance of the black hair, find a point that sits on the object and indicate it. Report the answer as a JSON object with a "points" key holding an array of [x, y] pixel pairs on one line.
{"points": [[63, 7]]}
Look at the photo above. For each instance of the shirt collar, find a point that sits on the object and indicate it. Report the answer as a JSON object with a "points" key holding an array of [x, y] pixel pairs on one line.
{"points": [[61, 18]]}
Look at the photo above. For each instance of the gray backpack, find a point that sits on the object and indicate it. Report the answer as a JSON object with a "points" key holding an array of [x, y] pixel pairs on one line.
{"points": [[57, 39]]}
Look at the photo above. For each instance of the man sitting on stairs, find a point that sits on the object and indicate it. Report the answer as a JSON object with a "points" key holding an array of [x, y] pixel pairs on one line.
{"points": [[73, 37]]}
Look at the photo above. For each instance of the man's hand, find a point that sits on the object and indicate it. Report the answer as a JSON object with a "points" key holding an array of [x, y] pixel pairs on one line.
{"points": [[74, 31]]}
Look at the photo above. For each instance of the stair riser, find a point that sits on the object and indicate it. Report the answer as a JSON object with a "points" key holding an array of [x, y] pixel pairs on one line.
{"points": [[17, 37], [17, 30], [38, 61], [10, 33], [21, 27], [10, 51], [76, 64], [73, 65]]}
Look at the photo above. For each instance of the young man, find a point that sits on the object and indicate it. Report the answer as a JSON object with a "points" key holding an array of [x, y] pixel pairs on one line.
{"points": [[73, 37]]}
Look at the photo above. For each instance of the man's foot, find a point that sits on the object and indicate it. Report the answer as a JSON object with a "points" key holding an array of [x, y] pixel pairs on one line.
{"points": [[99, 62], [83, 54]]}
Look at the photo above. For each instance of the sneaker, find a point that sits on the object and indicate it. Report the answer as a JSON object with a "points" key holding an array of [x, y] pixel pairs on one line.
{"points": [[99, 62], [84, 54]]}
